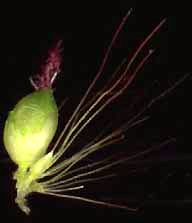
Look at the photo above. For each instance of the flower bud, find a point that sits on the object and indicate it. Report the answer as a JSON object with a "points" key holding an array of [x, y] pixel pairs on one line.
{"points": [[30, 127]]}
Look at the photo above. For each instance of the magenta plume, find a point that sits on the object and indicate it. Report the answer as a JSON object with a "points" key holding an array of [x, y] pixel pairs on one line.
{"points": [[49, 69]]}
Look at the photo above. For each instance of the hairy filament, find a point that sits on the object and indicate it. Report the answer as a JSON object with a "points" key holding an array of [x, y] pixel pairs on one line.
{"points": [[122, 76], [65, 145], [101, 68], [122, 128], [100, 92], [92, 148], [64, 183], [113, 97], [92, 201], [59, 176], [77, 158], [59, 167], [105, 104], [99, 144], [89, 148], [65, 189]]}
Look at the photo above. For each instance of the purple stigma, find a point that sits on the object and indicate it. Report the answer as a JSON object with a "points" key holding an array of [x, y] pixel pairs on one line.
{"points": [[49, 69]]}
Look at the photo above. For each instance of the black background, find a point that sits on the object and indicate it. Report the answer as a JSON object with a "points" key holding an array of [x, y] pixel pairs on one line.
{"points": [[86, 29]]}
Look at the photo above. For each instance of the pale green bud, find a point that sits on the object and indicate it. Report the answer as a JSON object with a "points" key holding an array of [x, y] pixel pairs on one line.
{"points": [[30, 127]]}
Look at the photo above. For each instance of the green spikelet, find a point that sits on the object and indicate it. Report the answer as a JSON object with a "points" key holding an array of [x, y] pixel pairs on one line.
{"points": [[29, 129]]}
